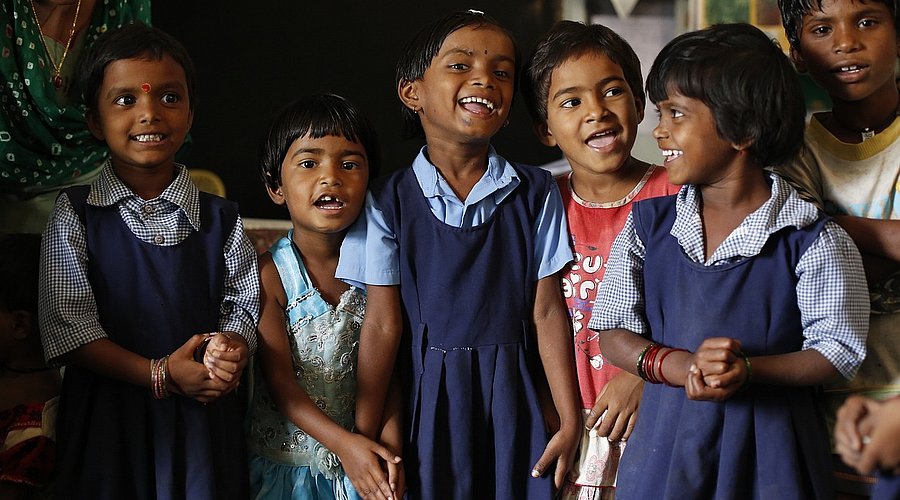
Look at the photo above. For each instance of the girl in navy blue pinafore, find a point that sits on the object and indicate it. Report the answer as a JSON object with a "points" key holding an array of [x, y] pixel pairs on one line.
{"points": [[465, 248], [734, 298], [115, 438]]}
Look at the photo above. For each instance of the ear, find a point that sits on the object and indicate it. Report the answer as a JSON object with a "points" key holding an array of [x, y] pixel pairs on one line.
{"points": [[409, 94], [276, 195], [93, 123], [22, 322], [544, 134], [797, 58]]}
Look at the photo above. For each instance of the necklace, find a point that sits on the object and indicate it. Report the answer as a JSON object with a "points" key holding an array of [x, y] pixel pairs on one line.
{"points": [[57, 80]]}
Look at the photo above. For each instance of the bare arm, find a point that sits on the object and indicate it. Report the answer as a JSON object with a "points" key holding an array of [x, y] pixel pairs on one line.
{"points": [[554, 340], [358, 455], [378, 344], [877, 237]]}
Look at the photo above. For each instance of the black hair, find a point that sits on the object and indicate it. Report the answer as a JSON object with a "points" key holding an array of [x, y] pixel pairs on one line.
{"points": [[792, 12], [745, 80], [131, 41], [316, 116], [568, 40], [425, 45], [19, 264]]}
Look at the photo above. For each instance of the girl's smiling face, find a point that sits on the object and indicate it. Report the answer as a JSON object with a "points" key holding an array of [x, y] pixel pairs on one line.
{"points": [[143, 112], [323, 184], [465, 94]]}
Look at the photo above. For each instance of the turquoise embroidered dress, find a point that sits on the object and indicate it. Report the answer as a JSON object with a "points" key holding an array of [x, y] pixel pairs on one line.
{"points": [[285, 461]]}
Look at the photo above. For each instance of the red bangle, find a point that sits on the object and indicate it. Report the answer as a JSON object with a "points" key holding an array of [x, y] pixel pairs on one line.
{"points": [[648, 363], [659, 365]]}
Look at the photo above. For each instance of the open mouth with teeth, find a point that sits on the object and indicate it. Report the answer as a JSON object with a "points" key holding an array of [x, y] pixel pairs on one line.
{"points": [[671, 154], [329, 202], [601, 140], [478, 105], [148, 137], [849, 69]]}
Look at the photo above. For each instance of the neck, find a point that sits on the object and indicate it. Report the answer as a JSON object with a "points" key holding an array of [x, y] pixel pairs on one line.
{"points": [[320, 247], [743, 191], [461, 165], [848, 120], [148, 183], [606, 187]]}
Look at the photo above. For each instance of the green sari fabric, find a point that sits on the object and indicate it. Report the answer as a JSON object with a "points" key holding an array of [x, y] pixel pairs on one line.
{"points": [[45, 144]]}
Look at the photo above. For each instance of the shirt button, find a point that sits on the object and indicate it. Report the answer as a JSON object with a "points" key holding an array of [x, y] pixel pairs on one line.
{"points": [[159, 239], [147, 209]]}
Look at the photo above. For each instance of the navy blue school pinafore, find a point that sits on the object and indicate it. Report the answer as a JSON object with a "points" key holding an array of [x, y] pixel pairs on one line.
{"points": [[767, 442], [115, 440], [474, 425]]}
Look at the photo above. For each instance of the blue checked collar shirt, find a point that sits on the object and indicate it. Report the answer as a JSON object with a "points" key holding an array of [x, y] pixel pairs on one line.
{"points": [[831, 288], [68, 311]]}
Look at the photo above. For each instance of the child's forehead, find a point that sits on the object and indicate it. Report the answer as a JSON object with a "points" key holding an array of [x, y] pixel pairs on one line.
{"points": [[472, 38]]}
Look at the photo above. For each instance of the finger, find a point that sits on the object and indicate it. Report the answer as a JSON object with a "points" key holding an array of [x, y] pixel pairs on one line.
{"points": [[595, 414], [606, 423], [632, 420], [541, 466], [618, 430], [562, 468]]}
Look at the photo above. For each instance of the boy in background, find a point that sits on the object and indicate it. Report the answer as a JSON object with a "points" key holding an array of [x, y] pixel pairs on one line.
{"points": [[850, 166]]}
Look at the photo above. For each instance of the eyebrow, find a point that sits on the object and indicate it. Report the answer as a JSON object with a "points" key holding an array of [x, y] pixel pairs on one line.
{"points": [[319, 151], [465, 51], [570, 90], [174, 84]]}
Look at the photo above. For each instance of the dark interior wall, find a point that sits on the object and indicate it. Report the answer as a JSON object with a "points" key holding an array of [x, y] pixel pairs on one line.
{"points": [[252, 58]]}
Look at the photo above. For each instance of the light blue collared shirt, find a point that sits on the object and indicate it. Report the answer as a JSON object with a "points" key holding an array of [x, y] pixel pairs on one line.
{"points": [[370, 254]]}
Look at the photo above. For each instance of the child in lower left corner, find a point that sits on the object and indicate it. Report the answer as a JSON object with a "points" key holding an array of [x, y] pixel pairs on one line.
{"points": [[28, 387], [316, 161], [137, 270], [584, 89]]}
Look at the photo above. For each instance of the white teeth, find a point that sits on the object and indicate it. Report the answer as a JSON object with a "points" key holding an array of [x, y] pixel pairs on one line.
{"points": [[148, 137], [849, 68], [478, 100], [671, 152], [328, 199]]}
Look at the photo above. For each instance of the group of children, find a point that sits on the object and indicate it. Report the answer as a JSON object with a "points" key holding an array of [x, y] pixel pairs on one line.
{"points": [[412, 335]]}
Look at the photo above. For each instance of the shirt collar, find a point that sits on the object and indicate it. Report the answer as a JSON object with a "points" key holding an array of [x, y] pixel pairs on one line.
{"points": [[108, 190], [784, 208], [499, 174]]}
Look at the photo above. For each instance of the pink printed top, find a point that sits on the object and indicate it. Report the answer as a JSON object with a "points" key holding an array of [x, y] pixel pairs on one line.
{"points": [[593, 227]]}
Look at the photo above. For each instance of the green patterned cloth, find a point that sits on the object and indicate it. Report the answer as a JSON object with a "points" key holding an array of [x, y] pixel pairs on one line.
{"points": [[44, 142]]}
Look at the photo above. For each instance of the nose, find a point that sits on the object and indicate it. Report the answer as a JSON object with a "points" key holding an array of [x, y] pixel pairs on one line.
{"points": [[595, 109], [482, 77], [845, 40], [660, 132], [149, 110], [331, 173]]}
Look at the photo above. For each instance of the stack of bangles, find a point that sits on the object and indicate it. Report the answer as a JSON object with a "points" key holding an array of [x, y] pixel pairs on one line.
{"points": [[159, 374], [649, 363]]}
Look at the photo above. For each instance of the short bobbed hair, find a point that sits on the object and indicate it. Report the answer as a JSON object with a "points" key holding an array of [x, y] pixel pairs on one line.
{"points": [[569, 40], [315, 116], [418, 53], [747, 82]]}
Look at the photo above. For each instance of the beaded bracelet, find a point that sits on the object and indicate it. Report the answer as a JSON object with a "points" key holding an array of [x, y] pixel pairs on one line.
{"points": [[746, 384]]}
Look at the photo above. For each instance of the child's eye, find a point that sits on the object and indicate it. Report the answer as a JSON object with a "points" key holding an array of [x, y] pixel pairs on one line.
{"points": [[349, 165], [676, 113], [307, 164], [614, 92], [125, 100], [866, 23], [570, 103], [170, 98], [820, 30], [500, 73], [458, 66]]}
